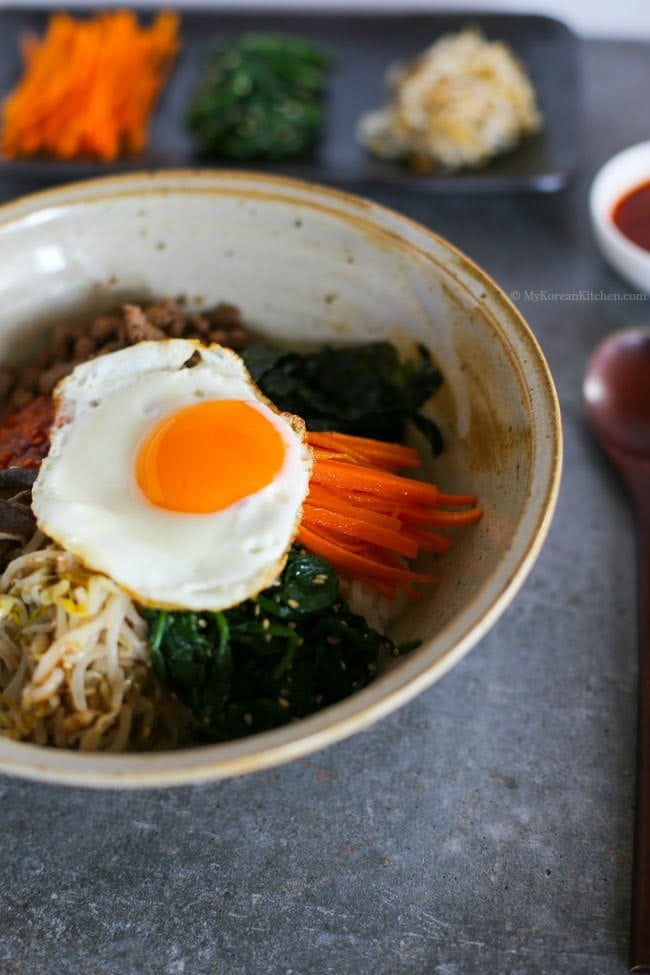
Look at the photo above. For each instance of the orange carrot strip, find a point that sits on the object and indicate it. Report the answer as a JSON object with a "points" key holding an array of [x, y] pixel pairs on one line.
{"points": [[397, 563], [403, 510], [366, 446], [356, 564], [331, 472], [343, 541], [436, 517], [375, 502], [429, 541], [414, 514], [392, 540], [369, 502], [382, 556], [326, 499], [456, 500], [382, 462], [468, 517], [323, 453]]}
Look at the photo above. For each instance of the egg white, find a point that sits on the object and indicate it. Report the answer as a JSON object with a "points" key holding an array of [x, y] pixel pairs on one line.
{"points": [[86, 498]]}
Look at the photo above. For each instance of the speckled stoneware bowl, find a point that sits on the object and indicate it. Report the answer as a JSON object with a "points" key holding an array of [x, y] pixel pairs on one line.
{"points": [[308, 264]]}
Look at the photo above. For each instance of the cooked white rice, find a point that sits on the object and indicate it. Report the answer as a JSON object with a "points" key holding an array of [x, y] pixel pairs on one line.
{"points": [[379, 611]]}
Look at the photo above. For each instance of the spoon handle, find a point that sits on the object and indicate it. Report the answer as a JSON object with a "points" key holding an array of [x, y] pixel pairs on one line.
{"points": [[640, 933]]}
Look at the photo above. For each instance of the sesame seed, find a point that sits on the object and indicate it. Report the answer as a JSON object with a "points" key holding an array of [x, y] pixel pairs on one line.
{"points": [[320, 579], [332, 640], [293, 603], [248, 719], [202, 624], [266, 623], [282, 701]]}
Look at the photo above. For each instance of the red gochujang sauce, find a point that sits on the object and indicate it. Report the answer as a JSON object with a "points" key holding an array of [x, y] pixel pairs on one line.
{"points": [[24, 436], [632, 215]]}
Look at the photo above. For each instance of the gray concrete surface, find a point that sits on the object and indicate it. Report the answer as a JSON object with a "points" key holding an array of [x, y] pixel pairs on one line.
{"points": [[486, 827]]}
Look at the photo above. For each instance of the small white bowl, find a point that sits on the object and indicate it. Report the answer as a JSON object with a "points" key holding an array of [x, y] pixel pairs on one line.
{"points": [[622, 173]]}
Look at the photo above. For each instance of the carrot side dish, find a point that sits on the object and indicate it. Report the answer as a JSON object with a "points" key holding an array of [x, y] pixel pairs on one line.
{"points": [[365, 519], [89, 86]]}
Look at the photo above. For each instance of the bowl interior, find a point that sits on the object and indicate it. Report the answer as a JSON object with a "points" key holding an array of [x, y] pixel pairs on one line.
{"points": [[306, 265]]}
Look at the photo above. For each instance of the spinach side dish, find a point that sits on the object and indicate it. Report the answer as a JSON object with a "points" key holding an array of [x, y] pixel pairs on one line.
{"points": [[260, 96], [291, 650]]}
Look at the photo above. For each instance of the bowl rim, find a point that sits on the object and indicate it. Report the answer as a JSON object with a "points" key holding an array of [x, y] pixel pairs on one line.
{"points": [[199, 764], [601, 203]]}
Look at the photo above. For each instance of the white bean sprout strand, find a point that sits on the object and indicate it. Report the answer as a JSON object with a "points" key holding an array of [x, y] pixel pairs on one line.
{"points": [[75, 667]]}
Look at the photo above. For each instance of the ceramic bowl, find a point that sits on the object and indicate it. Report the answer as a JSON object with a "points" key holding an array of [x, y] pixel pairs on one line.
{"points": [[307, 264], [617, 177]]}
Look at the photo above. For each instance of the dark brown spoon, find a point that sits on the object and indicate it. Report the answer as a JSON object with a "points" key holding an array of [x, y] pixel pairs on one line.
{"points": [[617, 398]]}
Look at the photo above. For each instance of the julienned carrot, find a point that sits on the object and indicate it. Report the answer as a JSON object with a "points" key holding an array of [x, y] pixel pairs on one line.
{"points": [[343, 441], [349, 560], [417, 514], [395, 455], [384, 462], [440, 518], [330, 501], [89, 86], [365, 519], [358, 528], [455, 500], [428, 541], [340, 474]]}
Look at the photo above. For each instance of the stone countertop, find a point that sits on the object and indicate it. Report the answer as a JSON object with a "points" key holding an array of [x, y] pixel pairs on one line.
{"points": [[484, 828]]}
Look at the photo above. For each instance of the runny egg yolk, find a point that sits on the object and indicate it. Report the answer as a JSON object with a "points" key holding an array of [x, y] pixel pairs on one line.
{"points": [[207, 456]]}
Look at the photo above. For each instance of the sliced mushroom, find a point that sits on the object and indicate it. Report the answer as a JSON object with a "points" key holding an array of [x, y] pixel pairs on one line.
{"points": [[17, 521], [17, 478]]}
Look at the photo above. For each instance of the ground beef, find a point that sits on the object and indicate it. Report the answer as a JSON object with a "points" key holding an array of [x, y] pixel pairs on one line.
{"points": [[73, 343]]}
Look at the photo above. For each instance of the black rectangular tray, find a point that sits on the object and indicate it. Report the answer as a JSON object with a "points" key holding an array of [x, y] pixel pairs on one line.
{"points": [[363, 46]]}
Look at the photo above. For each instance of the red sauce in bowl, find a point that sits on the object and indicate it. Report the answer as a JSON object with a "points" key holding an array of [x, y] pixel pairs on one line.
{"points": [[632, 215]]}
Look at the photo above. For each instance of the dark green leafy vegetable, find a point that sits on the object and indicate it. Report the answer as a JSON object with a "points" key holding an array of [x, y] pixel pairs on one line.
{"points": [[364, 390], [260, 97], [295, 648]]}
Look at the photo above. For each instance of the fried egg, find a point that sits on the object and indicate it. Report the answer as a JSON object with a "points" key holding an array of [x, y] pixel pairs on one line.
{"points": [[171, 473]]}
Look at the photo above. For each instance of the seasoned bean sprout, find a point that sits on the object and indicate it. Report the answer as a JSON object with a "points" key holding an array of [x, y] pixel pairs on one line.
{"points": [[75, 665]]}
